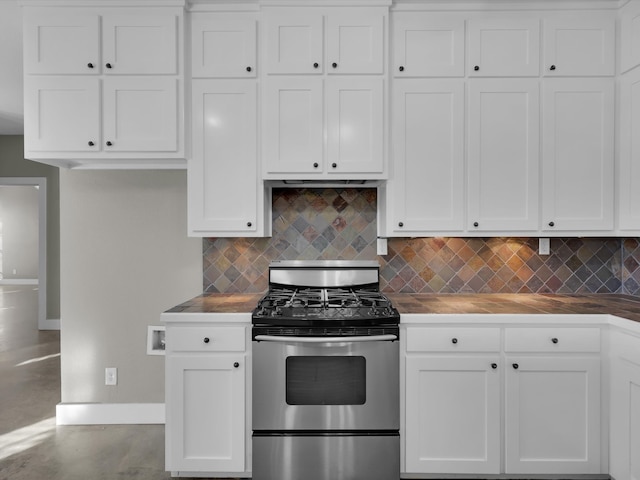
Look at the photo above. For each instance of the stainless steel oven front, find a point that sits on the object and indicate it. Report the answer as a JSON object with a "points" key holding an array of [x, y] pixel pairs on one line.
{"points": [[326, 407]]}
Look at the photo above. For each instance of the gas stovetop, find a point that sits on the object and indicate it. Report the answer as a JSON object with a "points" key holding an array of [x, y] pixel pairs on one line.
{"points": [[316, 306]]}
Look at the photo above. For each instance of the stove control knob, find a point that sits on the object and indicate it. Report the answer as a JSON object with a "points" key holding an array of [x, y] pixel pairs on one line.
{"points": [[206, 340], [236, 364]]}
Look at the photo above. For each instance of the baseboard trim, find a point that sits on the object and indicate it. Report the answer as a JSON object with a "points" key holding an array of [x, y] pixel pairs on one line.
{"points": [[109, 413]]}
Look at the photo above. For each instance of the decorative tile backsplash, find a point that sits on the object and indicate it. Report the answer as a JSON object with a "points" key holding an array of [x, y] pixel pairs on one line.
{"points": [[341, 224]]}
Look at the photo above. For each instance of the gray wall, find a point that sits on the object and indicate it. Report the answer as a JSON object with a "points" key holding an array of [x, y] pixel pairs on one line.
{"points": [[19, 217], [125, 259], [13, 164]]}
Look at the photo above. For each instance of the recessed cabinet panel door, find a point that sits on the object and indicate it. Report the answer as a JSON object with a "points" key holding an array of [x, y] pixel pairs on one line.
{"points": [[293, 125], [62, 114], [629, 36], [140, 43], [552, 415], [428, 132], [61, 42], [222, 175], [355, 43], [294, 42], [453, 415], [625, 419], [140, 114], [577, 149], [503, 154], [355, 125], [579, 46], [630, 151], [223, 45], [428, 45], [504, 47], [206, 421]]}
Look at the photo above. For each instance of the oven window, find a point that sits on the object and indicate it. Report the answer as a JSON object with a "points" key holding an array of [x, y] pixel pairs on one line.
{"points": [[326, 380]]}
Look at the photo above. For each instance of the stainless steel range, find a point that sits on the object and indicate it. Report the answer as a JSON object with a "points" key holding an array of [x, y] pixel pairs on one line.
{"points": [[325, 375]]}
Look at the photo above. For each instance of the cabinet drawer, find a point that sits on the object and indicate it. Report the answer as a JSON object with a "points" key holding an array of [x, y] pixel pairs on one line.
{"points": [[453, 339], [206, 339], [552, 340]]}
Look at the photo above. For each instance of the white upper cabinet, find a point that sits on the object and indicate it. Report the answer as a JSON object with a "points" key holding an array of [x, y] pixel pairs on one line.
{"points": [[503, 155], [64, 41], [579, 45], [61, 44], [223, 45], [629, 36], [503, 47], [426, 193], [428, 45], [577, 154], [629, 193], [295, 41]]}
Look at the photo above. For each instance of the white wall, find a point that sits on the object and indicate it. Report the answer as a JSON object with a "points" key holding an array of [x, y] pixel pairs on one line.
{"points": [[125, 258], [11, 103], [19, 218]]}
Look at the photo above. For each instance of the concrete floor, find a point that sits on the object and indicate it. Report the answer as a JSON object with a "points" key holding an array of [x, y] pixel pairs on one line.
{"points": [[32, 447]]}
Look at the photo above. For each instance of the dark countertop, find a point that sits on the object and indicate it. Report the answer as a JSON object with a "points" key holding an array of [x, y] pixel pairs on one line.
{"points": [[623, 306]]}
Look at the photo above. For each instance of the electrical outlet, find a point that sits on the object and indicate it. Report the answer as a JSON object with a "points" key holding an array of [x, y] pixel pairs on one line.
{"points": [[381, 246], [111, 376], [544, 246]]}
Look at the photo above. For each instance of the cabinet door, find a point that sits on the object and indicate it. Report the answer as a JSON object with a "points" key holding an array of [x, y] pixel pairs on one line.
{"points": [[355, 125], [503, 156], [428, 45], [293, 125], [629, 15], [223, 45], [629, 177], [579, 46], [60, 41], [205, 421], [428, 181], [294, 42], [577, 154], [140, 114], [62, 114], [552, 415], [625, 420], [504, 47], [224, 189], [355, 42], [453, 415], [136, 42]]}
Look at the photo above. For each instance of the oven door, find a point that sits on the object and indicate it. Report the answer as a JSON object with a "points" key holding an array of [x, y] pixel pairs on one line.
{"points": [[325, 384]]}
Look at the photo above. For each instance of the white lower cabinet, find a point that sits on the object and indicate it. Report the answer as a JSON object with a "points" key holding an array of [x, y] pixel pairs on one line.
{"points": [[453, 414], [502, 401], [624, 461], [206, 387]]}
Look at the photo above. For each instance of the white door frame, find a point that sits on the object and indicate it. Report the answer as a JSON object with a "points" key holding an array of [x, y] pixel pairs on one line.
{"points": [[41, 183]]}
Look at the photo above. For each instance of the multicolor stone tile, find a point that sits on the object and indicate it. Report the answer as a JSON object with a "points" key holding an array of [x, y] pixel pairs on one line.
{"points": [[341, 224]]}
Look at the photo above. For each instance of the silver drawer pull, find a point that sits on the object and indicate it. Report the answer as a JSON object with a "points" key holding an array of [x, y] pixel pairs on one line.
{"points": [[281, 339]]}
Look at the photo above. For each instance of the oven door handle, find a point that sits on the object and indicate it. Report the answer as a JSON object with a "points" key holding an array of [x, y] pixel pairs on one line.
{"points": [[359, 339]]}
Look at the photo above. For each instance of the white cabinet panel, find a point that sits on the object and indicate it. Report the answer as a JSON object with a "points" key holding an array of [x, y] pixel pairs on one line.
{"points": [[355, 43], [225, 194], [140, 43], [503, 47], [629, 36], [625, 419], [140, 114], [579, 45], [206, 413], [428, 45], [503, 156], [453, 415], [552, 415], [427, 188], [62, 114], [577, 150], [293, 125], [61, 44], [294, 42], [355, 125], [223, 45], [629, 179]]}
